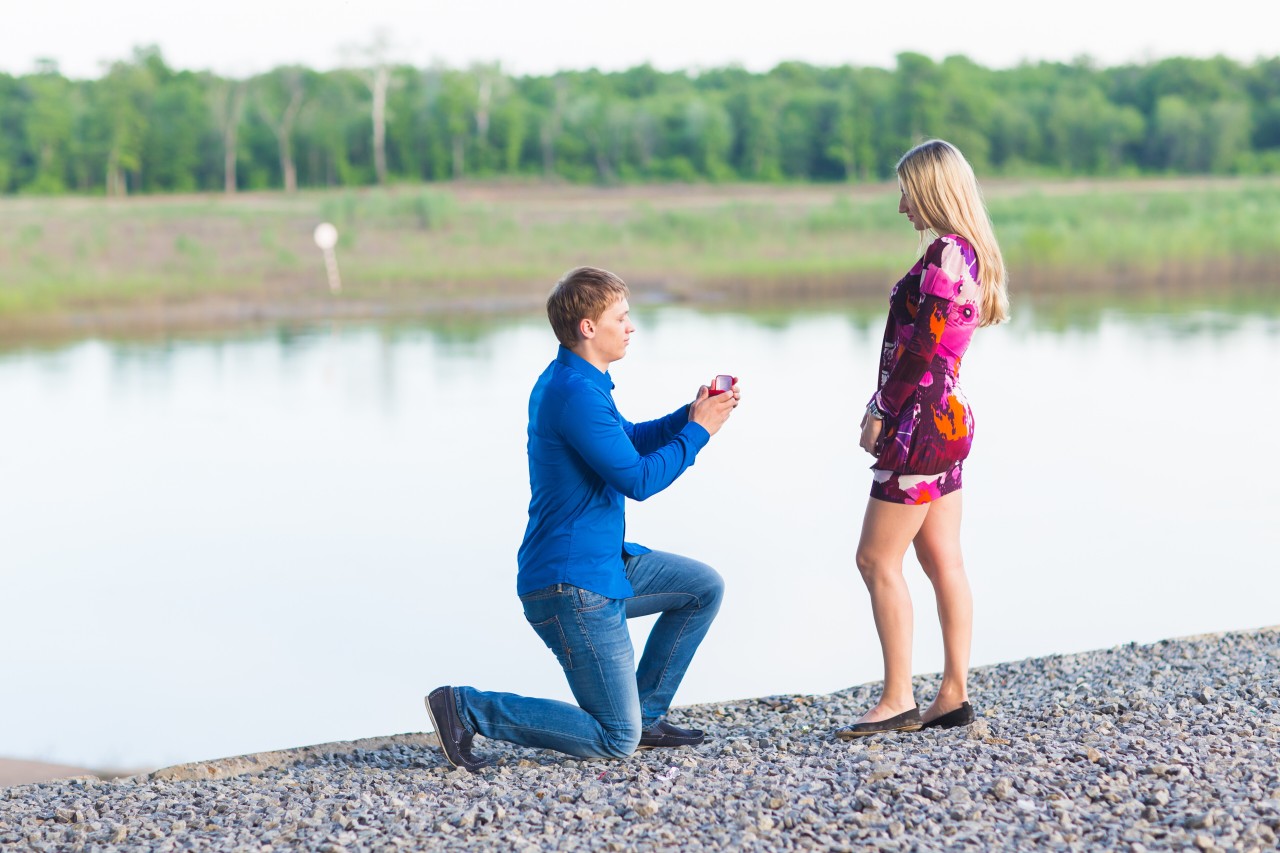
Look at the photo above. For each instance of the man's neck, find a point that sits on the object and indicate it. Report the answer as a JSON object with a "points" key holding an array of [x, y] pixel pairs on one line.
{"points": [[591, 358]]}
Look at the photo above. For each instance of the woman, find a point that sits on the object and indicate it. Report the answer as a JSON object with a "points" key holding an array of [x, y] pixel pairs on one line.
{"points": [[919, 428]]}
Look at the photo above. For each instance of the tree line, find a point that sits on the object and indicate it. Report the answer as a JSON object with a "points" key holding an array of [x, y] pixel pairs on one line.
{"points": [[143, 126]]}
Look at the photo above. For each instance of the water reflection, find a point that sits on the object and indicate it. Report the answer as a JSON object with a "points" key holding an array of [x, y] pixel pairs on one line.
{"points": [[255, 541]]}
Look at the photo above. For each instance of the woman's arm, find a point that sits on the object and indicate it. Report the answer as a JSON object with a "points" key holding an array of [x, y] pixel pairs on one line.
{"points": [[914, 360], [940, 282]]}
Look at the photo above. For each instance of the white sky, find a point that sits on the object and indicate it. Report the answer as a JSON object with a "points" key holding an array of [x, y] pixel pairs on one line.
{"points": [[243, 37]]}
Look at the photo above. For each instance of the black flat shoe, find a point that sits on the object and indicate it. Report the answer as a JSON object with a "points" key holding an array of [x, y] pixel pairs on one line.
{"points": [[961, 716], [907, 721], [455, 740]]}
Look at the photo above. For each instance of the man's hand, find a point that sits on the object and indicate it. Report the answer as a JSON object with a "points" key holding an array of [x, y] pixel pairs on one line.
{"points": [[710, 412], [871, 428]]}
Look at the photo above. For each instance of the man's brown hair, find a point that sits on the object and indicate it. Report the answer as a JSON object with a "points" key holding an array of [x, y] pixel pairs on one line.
{"points": [[582, 294]]}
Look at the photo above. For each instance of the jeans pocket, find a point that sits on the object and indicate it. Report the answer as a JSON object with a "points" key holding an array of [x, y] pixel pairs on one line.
{"points": [[587, 601], [552, 634]]}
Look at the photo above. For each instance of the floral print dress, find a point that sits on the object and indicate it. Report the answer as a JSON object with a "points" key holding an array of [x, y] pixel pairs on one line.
{"points": [[928, 425]]}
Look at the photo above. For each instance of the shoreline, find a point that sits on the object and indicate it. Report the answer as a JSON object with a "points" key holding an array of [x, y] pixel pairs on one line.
{"points": [[224, 314], [159, 264], [1166, 745]]}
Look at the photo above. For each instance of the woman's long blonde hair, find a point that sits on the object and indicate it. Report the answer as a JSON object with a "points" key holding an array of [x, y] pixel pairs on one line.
{"points": [[942, 186]]}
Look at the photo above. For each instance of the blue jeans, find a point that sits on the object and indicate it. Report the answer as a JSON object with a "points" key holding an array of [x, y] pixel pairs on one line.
{"points": [[588, 634]]}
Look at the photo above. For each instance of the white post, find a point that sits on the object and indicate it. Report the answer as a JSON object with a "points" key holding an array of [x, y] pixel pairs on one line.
{"points": [[326, 237]]}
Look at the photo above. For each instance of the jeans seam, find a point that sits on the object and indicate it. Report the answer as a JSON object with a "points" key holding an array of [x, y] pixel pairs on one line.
{"points": [[665, 669], [666, 666], [557, 733], [596, 661]]}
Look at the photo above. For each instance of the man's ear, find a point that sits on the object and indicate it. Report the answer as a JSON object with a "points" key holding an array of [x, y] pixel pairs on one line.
{"points": [[586, 328]]}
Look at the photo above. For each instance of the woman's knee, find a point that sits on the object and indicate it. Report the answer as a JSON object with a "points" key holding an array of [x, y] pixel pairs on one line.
{"points": [[938, 568], [873, 567]]}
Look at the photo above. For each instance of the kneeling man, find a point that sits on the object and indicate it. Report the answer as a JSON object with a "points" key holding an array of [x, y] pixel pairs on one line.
{"points": [[578, 580]]}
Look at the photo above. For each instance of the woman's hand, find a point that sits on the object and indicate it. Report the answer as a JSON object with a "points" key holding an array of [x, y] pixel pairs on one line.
{"points": [[871, 429]]}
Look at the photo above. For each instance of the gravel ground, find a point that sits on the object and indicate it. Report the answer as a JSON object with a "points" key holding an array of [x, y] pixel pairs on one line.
{"points": [[1173, 745]]}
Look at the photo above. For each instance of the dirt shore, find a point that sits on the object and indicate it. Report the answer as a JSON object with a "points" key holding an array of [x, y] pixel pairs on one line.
{"points": [[14, 771], [1166, 746]]}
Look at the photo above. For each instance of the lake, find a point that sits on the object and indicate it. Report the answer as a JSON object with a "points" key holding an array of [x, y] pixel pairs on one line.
{"points": [[220, 545]]}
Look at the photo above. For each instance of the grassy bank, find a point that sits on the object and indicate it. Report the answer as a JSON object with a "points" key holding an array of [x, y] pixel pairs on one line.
{"points": [[78, 262]]}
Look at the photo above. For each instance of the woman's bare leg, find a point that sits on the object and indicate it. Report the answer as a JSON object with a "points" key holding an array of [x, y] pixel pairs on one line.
{"points": [[938, 549], [887, 530]]}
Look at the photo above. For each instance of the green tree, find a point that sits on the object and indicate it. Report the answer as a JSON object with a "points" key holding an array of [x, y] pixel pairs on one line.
{"points": [[756, 150], [334, 141], [48, 125], [851, 142], [493, 89], [12, 131], [226, 106], [1228, 144], [1178, 136], [144, 126], [279, 96], [603, 125], [121, 104], [918, 108], [177, 124], [456, 105], [511, 127], [709, 131], [408, 124]]}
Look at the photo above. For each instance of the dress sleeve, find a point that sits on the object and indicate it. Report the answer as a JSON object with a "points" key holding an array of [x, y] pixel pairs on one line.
{"points": [[913, 361], [940, 283], [944, 269]]}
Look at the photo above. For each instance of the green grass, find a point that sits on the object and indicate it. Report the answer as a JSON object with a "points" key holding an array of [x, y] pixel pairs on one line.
{"points": [[1141, 232], [444, 243]]}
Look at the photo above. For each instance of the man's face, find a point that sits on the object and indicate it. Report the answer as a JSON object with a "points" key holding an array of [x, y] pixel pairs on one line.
{"points": [[613, 331]]}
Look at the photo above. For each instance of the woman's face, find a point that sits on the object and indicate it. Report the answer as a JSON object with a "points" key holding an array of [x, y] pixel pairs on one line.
{"points": [[906, 206]]}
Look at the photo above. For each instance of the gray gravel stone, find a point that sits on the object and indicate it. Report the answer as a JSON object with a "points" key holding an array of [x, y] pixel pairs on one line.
{"points": [[1169, 746]]}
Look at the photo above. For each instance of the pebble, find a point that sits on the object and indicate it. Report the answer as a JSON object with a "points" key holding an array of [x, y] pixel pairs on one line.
{"points": [[1168, 746]]}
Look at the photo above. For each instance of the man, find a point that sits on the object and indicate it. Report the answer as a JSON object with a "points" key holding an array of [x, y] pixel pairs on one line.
{"points": [[578, 580]]}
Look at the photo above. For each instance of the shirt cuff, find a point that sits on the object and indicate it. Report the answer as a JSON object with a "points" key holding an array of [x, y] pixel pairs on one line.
{"points": [[697, 434]]}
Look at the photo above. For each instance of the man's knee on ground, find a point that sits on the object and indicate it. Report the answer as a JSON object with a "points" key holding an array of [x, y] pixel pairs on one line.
{"points": [[620, 742]]}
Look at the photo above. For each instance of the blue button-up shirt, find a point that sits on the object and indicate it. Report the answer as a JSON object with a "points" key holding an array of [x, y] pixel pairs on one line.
{"points": [[584, 459]]}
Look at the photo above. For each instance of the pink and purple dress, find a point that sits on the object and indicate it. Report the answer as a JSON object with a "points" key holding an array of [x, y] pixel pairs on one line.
{"points": [[928, 425]]}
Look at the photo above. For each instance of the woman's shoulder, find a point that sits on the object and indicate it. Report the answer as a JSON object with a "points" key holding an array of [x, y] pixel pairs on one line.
{"points": [[952, 250], [951, 267], [952, 242]]}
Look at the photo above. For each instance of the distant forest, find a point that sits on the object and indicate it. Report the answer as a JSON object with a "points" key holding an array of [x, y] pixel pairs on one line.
{"points": [[144, 127]]}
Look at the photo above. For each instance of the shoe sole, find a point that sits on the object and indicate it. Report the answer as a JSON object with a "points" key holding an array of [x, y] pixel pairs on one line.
{"points": [[942, 728], [426, 700], [913, 727]]}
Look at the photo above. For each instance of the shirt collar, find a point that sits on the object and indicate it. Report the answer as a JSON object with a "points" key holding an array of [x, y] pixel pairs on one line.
{"points": [[569, 358]]}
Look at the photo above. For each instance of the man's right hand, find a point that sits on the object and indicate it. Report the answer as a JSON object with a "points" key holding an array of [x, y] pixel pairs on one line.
{"points": [[710, 412]]}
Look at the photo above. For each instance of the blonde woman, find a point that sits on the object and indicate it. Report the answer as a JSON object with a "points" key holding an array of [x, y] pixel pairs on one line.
{"points": [[919, 428]]}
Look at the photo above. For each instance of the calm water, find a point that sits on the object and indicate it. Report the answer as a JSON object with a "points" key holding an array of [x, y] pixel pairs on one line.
{"points": [[214, 547]]}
